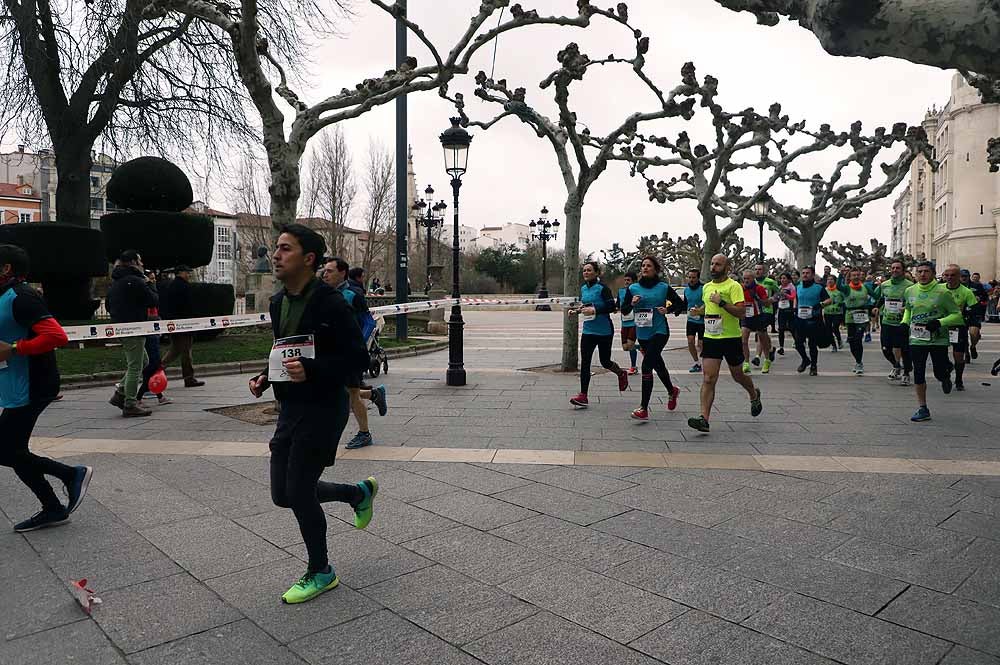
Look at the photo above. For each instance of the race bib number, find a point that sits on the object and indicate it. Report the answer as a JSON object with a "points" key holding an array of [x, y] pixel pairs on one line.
{"points": [[750, 312], [805, 312], [644, 318], [860, 316], [953, 336], [628, 317], [588, 317], [784, 304], [919, 332], [288, 348], [894, 306], [713, 325]]}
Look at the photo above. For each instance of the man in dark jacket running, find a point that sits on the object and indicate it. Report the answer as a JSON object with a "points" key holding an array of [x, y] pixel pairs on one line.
{"points": [[180, 305], [317, 347], [131, 295]]}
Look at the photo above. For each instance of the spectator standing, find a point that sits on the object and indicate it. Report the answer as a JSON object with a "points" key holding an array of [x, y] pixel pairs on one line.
{"points": [[131, 295], [180, 305]]}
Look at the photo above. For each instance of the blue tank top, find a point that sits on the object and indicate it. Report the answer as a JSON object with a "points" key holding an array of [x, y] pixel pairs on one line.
{"points": [[652, 297], [630, 322], [14, 378], [811, 296], [694, 298], [590, 294]]}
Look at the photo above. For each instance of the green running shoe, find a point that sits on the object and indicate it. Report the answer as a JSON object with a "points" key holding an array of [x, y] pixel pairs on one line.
{"points": [[363, 511], [755, 405], [309, 586], [698, 423]]}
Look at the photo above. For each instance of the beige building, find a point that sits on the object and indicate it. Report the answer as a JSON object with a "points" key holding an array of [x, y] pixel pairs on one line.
{"points": [[953, 215]]}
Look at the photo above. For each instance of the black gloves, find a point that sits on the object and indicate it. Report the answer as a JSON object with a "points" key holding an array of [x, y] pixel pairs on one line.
{"points": [[933, 325]]}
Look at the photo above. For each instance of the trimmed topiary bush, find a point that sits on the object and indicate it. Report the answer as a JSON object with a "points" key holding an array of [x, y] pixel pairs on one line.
{"points": [[63, 257], [150, 183], [164, 239], [216, 300]]}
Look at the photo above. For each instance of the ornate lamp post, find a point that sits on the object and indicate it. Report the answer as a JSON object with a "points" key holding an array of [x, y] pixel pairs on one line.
{"points": [[544, 230], [430, 216], [455, 142], [760, 209]]}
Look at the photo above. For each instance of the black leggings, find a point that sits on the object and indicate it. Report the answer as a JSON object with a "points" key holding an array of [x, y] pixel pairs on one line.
{"points": [[786, 319], [805, 331], [304, 444], [938, 356], [652, 361], [15, 433], [856, 339], [833, 322], [603, 345]]}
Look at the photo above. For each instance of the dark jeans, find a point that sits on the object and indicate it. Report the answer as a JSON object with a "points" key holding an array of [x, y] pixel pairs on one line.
{"points": [[152, 364], [304, 444], [652, 361], [805, 333], [180, 347], [603, 345], [15, 433]]}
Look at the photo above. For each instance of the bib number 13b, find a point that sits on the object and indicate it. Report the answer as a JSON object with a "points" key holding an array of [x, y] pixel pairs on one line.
{"points": [[288, 348]]}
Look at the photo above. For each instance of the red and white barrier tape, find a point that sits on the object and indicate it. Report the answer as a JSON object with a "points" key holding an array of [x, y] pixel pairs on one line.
{"points": [[165, 327]]}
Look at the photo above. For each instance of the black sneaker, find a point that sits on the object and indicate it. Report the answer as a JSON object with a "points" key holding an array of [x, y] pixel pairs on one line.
{"points": [[781, 351], [959, 386], [973, 352], [698, 423], [812, 371], [756, 361], [946, 386], [378, 399], [77, 489], [801, 368], [770, 355], [117, 400], [756, 406], [42, 520], [360, 440]]}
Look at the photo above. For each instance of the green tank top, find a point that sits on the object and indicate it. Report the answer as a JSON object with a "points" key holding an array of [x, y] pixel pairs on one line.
{"points": [[890, 297]]}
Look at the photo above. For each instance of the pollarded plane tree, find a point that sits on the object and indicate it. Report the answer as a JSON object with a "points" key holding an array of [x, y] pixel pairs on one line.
{"points": [[842, 195], [727, 181], [958, 34], [681, 254], [876, 262], [581, 155], [264, 76]]}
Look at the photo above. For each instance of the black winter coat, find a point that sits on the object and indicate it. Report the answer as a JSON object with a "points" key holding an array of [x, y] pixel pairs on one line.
{"points": [[130, 295]]}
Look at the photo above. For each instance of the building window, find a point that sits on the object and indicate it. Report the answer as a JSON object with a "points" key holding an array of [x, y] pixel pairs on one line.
{"points": [[25, 218], [95, 182], [96, 203], [223, 243]]}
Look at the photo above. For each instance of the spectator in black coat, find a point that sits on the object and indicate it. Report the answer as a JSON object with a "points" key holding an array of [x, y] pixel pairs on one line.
{"points": [[180, 305]]}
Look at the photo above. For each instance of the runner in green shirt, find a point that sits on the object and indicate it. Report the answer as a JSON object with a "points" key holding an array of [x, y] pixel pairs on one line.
{"points": [[858, 300], [833, 313], [760, 271], [895, 334], [959, 335], [929, 310]]}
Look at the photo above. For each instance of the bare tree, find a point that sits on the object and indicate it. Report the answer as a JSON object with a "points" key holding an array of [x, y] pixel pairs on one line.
{"points": [[248, 200], [959, 34], [380, 195], [101, 69], [330, 186], [876, 262], [715, 179], [581, 155], [678, 255], [256, 64]]}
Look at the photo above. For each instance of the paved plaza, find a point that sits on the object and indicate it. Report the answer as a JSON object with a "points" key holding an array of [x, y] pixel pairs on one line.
{"points": [[511, 529]]}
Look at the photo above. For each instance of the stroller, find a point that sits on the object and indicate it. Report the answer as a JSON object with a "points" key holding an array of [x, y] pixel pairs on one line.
{"points": [[379, 360]]}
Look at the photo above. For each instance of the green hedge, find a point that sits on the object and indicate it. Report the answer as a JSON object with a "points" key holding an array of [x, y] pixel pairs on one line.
{"points": [[209, 300], [150, 183], [58, 251], [164, 239]]}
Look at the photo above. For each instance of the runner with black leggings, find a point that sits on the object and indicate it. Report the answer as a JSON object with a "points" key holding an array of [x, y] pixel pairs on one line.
{"points": [[597, 304], [651, 300], [784, 298]]}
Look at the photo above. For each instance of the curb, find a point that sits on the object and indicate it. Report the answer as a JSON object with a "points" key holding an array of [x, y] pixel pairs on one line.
{"points": [[101, 379]]}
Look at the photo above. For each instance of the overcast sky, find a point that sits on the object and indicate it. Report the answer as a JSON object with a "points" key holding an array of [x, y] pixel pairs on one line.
{"points": [[512, 173]]}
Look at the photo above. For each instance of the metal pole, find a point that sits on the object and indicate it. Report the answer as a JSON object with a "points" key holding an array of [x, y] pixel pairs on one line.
{"points": [[402, 290], [760, 223], [427, 266], [456, 364]]}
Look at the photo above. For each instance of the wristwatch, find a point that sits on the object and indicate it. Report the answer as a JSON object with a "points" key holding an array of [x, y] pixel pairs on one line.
{"points": [[13, 349]]}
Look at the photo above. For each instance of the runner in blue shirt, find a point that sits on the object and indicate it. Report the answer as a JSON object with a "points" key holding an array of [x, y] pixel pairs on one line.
{"points": [[597, 305], [628, 324], [693, 299], [810, 299]]}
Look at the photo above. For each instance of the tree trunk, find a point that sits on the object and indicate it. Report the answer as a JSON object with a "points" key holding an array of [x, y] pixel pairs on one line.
{"points": [[284, 188], [571, 283], [712, 246], [73, 164], [806, 249]]}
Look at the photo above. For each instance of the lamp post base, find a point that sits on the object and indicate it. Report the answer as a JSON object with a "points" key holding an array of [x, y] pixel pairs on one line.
{"points": [[455, 375], [543, 293]]}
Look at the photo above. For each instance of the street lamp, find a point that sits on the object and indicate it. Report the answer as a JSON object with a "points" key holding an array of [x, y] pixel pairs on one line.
{"points": [[455, 142], [760, 208], [429, 216], [544, 230]]}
